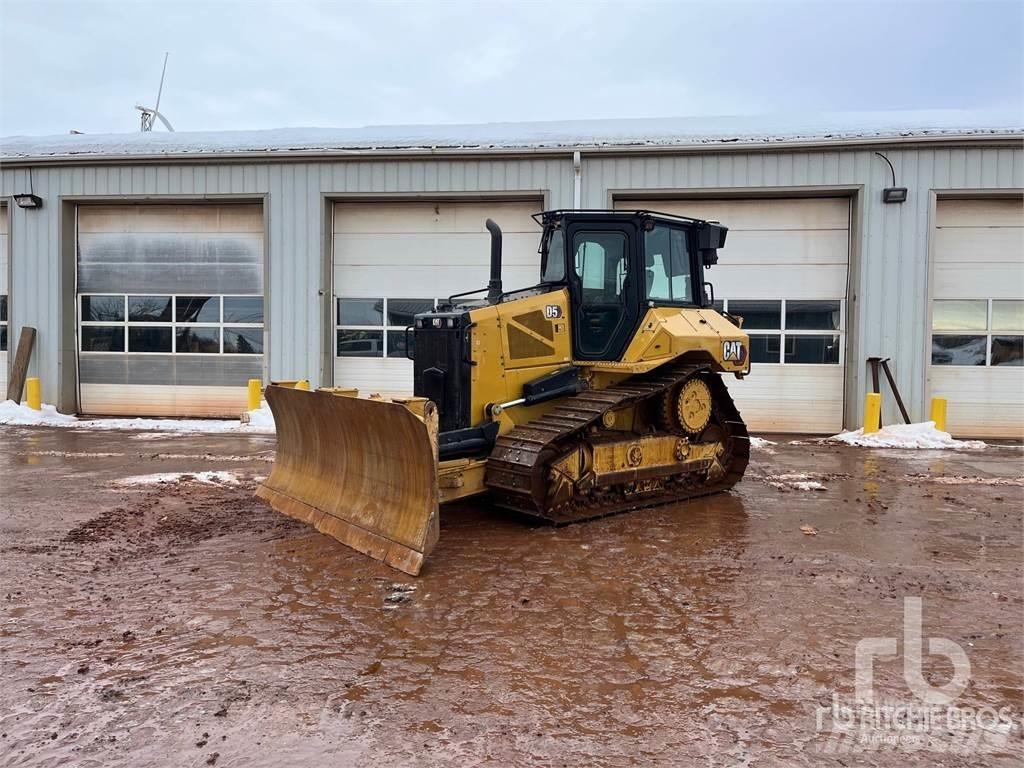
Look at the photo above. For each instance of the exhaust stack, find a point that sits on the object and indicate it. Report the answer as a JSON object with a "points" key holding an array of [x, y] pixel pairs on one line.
{"points": [[494, 285]]}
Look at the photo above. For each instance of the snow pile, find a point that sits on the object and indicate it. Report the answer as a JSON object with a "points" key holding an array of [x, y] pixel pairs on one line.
{"points": [[263, 456], [210, 477], [78, 454], [260, 421], [968, 480], [807, 485], [796, 481], [760, 444], [923, 435], [21, 415]]}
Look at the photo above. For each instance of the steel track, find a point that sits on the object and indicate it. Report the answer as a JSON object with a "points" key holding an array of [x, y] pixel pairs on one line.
{"points": [[517, 469]]}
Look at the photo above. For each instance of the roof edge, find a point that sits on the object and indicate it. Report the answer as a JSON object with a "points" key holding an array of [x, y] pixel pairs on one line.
{"points": [[1006, 137]]}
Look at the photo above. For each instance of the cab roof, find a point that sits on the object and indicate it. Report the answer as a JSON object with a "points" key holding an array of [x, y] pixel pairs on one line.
{"points": [[545, 217]]}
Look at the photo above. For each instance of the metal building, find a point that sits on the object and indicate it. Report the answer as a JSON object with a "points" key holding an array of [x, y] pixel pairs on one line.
{"points": [[164, 270]]}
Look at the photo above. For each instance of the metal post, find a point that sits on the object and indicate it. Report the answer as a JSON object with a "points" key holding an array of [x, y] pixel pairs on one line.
{"points": [[873, 362], [872, 412], [255, 393], [895, 391], [939, 413]]}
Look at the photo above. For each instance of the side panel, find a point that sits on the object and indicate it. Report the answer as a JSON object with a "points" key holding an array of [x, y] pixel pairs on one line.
{"points": [[514, 343], [535, 331], [667, 333]]}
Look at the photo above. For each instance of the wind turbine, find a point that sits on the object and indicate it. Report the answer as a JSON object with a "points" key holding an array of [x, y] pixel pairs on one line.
{"points": [[148, 114]]}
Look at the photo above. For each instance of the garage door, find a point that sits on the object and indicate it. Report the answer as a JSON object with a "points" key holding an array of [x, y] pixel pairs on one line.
{"points": [[784, 270], [4, 309], [977, 357], [170, 308], [392, 260]]}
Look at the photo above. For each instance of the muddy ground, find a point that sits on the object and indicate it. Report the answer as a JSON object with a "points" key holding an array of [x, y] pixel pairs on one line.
{"points": [[185, 623]]}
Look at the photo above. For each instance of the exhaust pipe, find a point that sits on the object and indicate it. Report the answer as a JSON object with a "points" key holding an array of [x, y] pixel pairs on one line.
{"points": [[494, 285]]}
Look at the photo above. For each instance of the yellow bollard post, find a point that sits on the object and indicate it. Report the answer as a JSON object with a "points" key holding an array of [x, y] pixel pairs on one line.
{"points": [[32, 394], [939, 413], [872, 412], [255, 393], [302, 384]]}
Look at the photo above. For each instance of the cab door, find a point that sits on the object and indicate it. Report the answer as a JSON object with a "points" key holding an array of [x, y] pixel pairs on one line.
{"points": [[603, 289]]}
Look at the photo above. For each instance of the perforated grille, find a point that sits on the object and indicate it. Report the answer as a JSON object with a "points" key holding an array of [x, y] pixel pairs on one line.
{"points": [[522, 345], [537, 323]]}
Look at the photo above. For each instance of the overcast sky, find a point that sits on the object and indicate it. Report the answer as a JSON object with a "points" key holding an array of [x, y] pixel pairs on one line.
{"points": [[239, 64]]}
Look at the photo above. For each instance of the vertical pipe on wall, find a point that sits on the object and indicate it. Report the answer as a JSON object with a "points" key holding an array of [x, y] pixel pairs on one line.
{"points": [[577, 180]]}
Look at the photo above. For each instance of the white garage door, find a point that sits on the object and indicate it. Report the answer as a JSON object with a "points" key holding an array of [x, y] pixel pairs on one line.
{"points": [[392, 260], [977, 358], [5, 338], [170, 308], [784, 270]]}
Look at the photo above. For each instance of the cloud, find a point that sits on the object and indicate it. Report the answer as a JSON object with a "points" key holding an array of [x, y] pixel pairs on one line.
{"points": [[236, 64]]}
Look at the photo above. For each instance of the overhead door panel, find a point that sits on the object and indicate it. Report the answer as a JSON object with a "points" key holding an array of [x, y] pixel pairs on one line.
{"points": [[977, 315], [170, 308], [392, 260], [785, 270]]}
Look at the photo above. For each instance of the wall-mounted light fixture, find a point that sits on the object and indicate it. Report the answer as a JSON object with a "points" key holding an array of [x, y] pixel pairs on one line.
{"points": [[28, 201], [892, 194]]}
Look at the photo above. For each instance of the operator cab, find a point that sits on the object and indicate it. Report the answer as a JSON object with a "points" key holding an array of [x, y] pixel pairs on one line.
{"points": [[617, 264]]}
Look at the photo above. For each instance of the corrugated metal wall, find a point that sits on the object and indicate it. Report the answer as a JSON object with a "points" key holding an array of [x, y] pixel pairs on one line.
{"points": [[297, 234], [890, 241]]}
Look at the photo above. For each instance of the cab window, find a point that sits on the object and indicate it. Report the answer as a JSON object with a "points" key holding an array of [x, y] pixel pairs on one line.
{"points": [[667, 265], [554, 258], [599, 261]]}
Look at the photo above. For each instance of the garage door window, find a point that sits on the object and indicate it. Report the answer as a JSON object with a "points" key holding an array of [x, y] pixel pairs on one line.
{"points": [[975, 332], [375, 327], [3, 323], [168, 324], [791, 331]]}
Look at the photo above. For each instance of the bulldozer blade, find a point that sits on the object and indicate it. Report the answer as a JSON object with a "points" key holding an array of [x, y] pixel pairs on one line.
{"points": [[364, 472]]}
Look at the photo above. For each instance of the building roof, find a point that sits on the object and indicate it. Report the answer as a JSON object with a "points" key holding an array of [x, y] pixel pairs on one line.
{"points": [[619, 134]]}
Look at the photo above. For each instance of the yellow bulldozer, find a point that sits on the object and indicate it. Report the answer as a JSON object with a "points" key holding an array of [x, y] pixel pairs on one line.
{"points": [[596, 391]]}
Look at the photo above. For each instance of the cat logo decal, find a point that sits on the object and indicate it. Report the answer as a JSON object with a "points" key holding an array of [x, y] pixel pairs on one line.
{"points": [[734, 351]]}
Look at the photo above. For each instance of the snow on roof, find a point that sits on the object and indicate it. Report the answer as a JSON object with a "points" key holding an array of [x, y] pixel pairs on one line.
{"points": [[569, 134]]}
